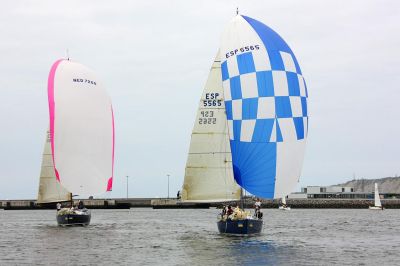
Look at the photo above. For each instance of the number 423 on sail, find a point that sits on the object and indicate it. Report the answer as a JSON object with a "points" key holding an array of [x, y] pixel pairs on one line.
{"points": [[207, 118]]}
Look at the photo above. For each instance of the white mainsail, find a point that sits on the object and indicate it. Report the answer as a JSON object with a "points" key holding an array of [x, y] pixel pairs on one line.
{"points": [[50, 189], [377, 198], [208, 172], [81, 129]]}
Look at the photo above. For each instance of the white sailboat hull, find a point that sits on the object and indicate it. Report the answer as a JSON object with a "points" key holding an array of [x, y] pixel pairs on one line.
{"points": [[284, 208], [375, 208]]}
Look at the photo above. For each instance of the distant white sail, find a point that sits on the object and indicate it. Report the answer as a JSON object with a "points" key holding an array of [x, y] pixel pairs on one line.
{"points": [[284, 200], [377, 198], [50, 189], [208, 173], [81, 129]]}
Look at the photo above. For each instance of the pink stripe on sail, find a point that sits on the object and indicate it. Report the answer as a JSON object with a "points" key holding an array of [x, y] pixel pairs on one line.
{"points": [[110, 180], [109, 184], [50, 94]]}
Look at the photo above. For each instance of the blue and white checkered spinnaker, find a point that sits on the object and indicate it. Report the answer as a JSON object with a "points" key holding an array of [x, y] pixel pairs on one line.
{"points": [[266, 107]]}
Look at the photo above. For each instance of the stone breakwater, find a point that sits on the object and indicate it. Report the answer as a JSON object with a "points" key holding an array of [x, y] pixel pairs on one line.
{"points": [[176, 204], [328, 203]]}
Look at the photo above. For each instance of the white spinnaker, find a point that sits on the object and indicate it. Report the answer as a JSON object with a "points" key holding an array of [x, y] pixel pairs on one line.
{"points": [[377, 198], [83, 130], [290, 153], [208, 172], [50, 190]]}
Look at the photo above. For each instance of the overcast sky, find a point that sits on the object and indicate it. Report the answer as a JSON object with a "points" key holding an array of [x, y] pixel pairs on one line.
{"points": [[154, 57]]}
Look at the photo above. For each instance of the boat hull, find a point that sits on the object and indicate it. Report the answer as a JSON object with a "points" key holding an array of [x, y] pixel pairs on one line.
{"points": [[74, 219], [240, 227], [375, 208], [284, 208]]}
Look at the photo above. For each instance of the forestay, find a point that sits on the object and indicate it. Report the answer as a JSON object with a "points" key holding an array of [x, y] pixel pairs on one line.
{"points": [[208, 172], [50, 190], [266, 105], [81, 129]]}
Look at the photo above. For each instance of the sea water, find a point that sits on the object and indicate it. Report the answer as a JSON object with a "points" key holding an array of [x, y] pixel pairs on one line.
{"points": [[190, 237]]}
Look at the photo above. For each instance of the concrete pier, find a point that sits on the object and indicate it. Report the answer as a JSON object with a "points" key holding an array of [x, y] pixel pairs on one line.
{"points": [[158, 203], [176, 204]]}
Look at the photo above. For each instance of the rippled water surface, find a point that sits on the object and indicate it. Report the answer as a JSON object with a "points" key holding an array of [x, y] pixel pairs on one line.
{"points": [[190, 237]]}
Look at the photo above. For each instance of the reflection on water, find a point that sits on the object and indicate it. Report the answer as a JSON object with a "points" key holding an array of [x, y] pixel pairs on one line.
{"points": [[190, 237]]}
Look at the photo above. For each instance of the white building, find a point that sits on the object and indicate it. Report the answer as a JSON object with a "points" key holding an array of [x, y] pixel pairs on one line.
{"points": [[323, 192]]}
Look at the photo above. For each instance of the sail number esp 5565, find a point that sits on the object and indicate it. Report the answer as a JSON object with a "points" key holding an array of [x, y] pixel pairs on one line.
{"points": [[207, 116], [212, 100]]}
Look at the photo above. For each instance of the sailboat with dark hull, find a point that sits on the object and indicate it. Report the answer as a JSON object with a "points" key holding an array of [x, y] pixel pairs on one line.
{"points": [[240, 227], [66, 216], [266, 107], [254, 139], [80, 146], [240, 222], [209, 172]]}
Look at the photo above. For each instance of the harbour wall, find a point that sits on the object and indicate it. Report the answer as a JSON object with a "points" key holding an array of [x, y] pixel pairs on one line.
{"points": [[176, 204]]}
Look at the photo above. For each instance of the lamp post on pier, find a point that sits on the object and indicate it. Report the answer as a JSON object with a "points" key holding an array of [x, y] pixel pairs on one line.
{"points": [[168, 184], [127, 187]]}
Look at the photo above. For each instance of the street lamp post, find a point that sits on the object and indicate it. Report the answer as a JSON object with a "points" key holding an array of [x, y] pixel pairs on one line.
{"points": [[127, 186], [168, 185]]}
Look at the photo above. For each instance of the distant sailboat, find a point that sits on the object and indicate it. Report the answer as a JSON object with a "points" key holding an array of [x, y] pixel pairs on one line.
{"points": [[284, 205], [81, 135], [377, 200]]}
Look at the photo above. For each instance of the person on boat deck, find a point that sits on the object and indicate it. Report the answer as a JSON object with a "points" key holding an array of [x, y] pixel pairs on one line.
{"points": [[229, 211], [223, 210], [58, 206], [257, 205], [257, 208], [80, 204]]}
